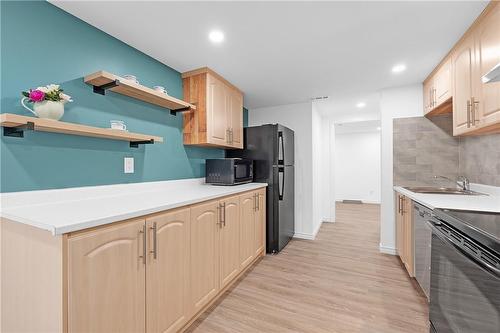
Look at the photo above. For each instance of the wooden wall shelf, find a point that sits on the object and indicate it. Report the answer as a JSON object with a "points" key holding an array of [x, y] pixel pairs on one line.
{"points": [[15, 125], [102, 81]]}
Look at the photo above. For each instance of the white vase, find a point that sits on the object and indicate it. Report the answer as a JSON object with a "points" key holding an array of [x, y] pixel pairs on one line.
{"points": [[46, 109]]}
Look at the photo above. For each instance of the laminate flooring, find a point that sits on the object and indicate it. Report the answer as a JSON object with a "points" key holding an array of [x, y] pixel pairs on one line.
{"points": [[339, 282]]}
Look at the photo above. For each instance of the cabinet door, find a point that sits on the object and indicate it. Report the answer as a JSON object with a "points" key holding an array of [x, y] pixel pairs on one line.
{"points": [[229, 235], [408, 235], [463, 60], [427, 96], [487, 38], [399, 227], [167, 271], [217, 115], [236, 117], [442, 84], [106, 279], [247, 230], [260, 223], [204, 253]]}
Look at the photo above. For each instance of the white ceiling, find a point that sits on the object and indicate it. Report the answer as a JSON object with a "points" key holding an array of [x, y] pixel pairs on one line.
{"points": [[287, 52]]}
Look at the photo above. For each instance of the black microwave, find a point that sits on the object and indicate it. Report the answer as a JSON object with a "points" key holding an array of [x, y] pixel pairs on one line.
{"points": [[228, 171]]}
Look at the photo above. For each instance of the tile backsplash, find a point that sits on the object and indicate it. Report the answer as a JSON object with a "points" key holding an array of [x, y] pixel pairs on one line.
{"points": [[424, 148]]}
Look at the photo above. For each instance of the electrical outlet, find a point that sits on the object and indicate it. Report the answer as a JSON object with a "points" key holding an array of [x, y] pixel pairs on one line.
{"points": [[128, 165]]}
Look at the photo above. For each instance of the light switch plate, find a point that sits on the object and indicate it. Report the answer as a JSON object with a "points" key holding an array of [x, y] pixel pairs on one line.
{"points": [[128, 165]]}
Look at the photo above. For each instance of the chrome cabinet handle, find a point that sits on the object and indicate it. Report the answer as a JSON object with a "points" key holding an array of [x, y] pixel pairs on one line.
{"points": [[474, 105], [155, 243], [435, 98], [254, 203], [224, 213], [143, 232], [468, 113], [219, 215]]}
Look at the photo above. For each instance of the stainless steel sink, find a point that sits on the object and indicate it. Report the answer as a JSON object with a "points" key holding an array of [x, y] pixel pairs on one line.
{"points": [[442, 190]]}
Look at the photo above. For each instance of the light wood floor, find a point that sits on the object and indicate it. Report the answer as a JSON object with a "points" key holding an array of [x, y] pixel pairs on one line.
{"points": [[337, 283]]}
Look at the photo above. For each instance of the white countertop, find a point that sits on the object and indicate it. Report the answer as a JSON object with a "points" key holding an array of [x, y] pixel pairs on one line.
{"points": [[486, 203], [66, 210]]}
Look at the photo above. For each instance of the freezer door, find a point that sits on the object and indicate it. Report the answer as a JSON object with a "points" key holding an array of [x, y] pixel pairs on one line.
{"points": [[286, 204], [285, 146]]}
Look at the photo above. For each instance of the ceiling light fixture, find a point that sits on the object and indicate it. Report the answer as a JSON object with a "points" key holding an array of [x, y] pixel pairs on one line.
{"points": [[216, 36], [378, 128], [399, 68], [361, 105]]}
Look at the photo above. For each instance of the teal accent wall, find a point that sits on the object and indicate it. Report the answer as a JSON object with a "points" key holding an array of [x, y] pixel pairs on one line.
{"points": [[41, 44]]}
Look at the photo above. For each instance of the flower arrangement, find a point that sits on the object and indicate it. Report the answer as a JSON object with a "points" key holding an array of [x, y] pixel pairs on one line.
{"points": [[52, 92]]}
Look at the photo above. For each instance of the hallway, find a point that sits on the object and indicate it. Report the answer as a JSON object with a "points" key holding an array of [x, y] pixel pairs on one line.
{"points": [[337, 283]]}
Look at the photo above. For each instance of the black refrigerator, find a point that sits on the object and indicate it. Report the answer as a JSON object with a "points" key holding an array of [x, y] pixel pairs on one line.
{"points": [[272, 149]]}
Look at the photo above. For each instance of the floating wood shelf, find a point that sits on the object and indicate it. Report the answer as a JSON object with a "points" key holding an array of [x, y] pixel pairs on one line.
{"points": [[102, 81], [15, 125]]}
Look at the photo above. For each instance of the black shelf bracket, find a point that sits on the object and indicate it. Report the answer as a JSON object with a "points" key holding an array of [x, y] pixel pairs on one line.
{"points": [[135, 144], [174, 112], [101, 90], [18, 131]]}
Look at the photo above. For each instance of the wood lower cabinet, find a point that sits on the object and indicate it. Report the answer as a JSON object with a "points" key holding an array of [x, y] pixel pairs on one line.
{"points": [[229, 239], [218, 118], [405, 245], [107, 279], [260, 223], [168, 271], [247, 230], [151, 274], [205, 258]]}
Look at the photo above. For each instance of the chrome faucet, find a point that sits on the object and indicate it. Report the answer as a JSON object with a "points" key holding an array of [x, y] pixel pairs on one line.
{"points": [[462, 182]]}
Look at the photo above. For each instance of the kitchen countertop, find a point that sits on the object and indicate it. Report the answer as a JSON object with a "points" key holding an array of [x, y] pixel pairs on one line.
{"points": [[489, 203], [66, 210]]}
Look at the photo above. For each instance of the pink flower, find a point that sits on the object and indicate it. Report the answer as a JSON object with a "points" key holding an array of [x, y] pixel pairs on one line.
{"points": [[37, 95]]}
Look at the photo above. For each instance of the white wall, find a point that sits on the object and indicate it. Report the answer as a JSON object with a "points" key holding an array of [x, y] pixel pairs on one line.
{"points": [[357, 166], [298, 117], [322, 203], [401, 102]]}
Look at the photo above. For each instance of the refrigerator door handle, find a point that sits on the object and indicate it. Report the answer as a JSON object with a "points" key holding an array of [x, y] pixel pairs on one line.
{"points": [[281, 184], [281, 149]]}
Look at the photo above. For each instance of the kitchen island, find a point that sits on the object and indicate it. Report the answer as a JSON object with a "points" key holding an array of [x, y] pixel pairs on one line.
{"points": [[129, 257]]}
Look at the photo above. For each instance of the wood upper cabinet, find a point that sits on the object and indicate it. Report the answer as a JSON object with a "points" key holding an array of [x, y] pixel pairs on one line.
{"points": [[463, 67], [205, 225], [487, 47], [442, 84], [438, 90], [428, 86], [167, 271], [106, 279], [229, 237], [218, 118], [404, 232]]}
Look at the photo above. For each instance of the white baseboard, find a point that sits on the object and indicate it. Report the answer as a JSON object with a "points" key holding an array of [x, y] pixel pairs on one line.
{"points": [[387, 249], [303, 235]]}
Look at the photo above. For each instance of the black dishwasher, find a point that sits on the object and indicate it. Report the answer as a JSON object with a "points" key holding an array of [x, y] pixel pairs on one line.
{"points": [[423, 237]]}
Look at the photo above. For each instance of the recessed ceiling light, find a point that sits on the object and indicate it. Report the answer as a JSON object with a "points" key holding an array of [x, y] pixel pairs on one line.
{"points": [[216, 36], [361, 105], [399, 68], [378, 128]]}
